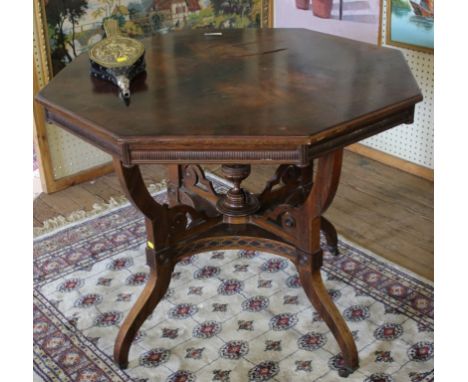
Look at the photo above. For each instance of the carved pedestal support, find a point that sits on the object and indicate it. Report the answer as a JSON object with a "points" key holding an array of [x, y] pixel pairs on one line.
{"points": [[237, 201], [287, 216]]}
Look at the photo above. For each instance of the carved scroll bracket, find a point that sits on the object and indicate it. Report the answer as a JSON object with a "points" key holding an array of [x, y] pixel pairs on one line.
{"points": [[165, 225], [294, 199], [194, 179], [289, 185]]}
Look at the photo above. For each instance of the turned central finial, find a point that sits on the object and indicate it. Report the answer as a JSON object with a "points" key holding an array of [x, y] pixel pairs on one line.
{"points": [[237, 201]]}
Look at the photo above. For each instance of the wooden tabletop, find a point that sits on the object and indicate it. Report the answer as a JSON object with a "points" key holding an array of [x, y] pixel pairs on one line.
{"points": [[281, 95]]}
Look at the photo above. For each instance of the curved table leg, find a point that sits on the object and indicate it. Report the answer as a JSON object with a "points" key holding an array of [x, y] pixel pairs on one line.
{"points": [[310, 254], [152, 294], [311, 279], [331, 237], [159, 262]]}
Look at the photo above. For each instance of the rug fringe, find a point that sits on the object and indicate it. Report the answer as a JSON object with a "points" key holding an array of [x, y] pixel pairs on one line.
{"points": [[59, 222]]}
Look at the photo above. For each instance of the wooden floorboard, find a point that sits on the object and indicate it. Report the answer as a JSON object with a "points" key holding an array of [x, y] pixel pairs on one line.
{"points": [[378, 207], [60, 202], [101, 189], [42, 211]]}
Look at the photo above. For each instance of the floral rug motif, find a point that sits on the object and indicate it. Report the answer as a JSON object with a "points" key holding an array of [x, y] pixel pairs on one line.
{"points": [[228, 315]]}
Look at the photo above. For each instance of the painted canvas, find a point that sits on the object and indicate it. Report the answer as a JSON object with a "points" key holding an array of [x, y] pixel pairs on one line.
{"points": [[354, 19], [75, 25], [411, 24]]}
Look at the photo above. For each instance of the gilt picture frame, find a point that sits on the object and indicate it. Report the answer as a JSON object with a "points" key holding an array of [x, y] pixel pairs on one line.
{"points": [[410, 24]]}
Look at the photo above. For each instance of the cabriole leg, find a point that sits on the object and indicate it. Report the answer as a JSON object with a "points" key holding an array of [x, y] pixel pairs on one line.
{"points": [[311, 279], [310, 254], [161, 269], [160, 266]]}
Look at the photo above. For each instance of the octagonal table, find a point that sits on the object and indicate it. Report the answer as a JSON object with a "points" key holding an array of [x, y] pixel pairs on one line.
{"points": [[292, 97]]}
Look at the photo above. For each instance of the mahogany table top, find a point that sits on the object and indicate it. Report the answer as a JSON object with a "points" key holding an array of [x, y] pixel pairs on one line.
{"points": [[283, 95]]}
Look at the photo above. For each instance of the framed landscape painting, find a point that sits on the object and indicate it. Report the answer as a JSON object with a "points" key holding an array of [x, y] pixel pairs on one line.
{"points": [[410, 24], [75, 25], [64, 29], [353, 19]]}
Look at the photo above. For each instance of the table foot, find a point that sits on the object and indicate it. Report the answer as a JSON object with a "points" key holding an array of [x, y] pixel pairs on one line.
{"points": [[345, 372], [311, 279], [152, 294]]}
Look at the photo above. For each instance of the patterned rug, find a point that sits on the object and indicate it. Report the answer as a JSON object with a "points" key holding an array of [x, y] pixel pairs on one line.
{"points": [[228, 315]]}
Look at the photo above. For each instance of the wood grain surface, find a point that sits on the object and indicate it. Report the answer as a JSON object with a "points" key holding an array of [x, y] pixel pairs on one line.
{"points": [[269, 94]]}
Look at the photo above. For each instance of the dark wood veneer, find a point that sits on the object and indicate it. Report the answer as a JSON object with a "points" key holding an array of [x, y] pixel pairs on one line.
{"points": [[262, 90]]}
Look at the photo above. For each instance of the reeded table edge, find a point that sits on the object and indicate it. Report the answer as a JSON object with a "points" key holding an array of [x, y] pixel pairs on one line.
{"points": [[297, 150]]}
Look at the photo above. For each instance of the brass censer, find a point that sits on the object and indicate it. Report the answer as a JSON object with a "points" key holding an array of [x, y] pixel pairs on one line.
{"points": [[117, 58]]}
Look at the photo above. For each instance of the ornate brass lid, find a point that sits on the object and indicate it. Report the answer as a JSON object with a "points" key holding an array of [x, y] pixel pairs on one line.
{"points": [[116, 51]]}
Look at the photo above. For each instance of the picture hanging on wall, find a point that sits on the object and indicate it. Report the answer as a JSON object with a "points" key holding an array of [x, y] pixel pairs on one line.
{"points": [[353, 19], [410, 24], [75, 25], [64, 29]]}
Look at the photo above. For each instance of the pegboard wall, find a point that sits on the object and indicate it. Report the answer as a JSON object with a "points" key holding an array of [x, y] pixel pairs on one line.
{"points": [[70, 154], [414, 143]]}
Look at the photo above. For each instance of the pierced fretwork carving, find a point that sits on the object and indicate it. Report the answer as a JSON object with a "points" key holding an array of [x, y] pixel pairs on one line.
{"points": [[286, 174], [194, 179], [172, 222], [289, 185], [287, 189], [283, 220]]}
